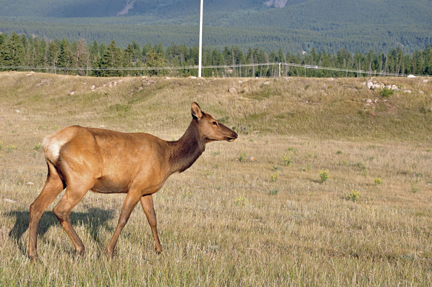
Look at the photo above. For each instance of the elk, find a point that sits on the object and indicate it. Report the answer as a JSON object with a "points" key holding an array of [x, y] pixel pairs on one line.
{"points": [[105, 161]]}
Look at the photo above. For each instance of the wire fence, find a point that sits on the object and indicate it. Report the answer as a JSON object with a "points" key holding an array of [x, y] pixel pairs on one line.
{"points": [[237, 70]]}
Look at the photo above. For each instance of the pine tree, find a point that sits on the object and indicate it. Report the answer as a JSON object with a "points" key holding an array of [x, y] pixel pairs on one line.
{"points": [[280, 56], [194, 55], [399, 57], [111, 61], [417, 66], [94, 50], [102, 50], [146, 48], [81, 57], [155, 60], [52, 55], [136, 52], [25, 44], [407, 63], [428, 60], [128, 59], [42, 53], [314, 55], [159, 49], [13, 54], [3, 47], [3, 38], [64, 56], [35, 58], [128, 56]]}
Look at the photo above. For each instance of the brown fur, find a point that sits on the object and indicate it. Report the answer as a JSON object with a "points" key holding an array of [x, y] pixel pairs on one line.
{"points": [[138, 164]]}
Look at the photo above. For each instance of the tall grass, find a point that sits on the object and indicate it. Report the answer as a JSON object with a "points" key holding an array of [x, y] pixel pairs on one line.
{"points": [[220, 222]]}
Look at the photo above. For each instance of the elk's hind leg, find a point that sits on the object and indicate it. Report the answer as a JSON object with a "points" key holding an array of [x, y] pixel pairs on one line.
{"points": [[75, 191], [52, 188]]}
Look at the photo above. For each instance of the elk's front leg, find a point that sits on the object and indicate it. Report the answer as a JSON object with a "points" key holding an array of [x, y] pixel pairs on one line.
{"points": [[128, 205], [147, 205]]}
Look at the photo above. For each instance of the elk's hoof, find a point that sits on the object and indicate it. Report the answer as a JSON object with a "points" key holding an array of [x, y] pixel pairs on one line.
{"points": [[79, 254], [33, 257], [109, 254]]}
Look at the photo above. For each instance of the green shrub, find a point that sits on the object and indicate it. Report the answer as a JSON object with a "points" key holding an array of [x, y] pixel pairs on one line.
{"points": [[386, 93], [274, 191], [414, 187], [241, 201], [324, 175], [354, 195], [243, 156], [38, 147], [287, 158], [362, 167], [10, 148], [377, 181]]}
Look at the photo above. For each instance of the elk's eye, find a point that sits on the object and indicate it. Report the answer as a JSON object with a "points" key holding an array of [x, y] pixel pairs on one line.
{"points": [[215, 123]]}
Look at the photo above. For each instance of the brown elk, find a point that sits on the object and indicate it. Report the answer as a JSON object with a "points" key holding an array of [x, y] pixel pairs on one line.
{"points": [[138, 164]]}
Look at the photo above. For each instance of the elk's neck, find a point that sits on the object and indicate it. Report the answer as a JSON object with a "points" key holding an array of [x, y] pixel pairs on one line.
{"points": [[185, 151]]}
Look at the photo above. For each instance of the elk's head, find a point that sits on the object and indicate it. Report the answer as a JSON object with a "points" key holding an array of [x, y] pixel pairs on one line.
{"points": [[209, 128]]}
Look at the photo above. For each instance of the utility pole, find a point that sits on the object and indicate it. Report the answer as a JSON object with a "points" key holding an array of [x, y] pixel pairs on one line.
{"points": [[200, 40]]}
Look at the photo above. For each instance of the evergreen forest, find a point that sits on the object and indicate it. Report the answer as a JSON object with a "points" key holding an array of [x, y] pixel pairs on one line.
{"points": [[102, 60]]}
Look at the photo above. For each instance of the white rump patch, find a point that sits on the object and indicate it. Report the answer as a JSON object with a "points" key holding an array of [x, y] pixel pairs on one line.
{"points": [[52, 146]]}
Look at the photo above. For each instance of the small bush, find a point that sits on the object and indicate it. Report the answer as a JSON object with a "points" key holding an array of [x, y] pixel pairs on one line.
{"points": [[386, 93], [377, 181], [38, 147], [243, 156], [287, 158], [10, 148], [241, 201], [354, 195], [414, 187], [324, 175], [274, 191], [275, 177], [362, 167], [187, 194], [339, 152]]}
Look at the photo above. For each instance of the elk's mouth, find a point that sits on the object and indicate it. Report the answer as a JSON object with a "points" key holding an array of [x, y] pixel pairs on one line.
{"points": [[231, 139]]}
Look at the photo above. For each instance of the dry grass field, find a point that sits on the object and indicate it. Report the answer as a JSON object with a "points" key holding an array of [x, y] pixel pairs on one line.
{"points": [[320, 188]]}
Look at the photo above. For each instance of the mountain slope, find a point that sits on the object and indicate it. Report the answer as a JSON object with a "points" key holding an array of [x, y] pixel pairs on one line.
{"points": [[291, 25], [109, 8]]}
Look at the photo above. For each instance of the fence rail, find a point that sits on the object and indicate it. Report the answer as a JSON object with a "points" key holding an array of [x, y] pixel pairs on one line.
{"points": [[278, 66]]}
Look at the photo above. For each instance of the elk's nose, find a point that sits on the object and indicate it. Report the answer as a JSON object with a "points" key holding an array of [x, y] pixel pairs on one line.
{"points": [[232, 137]]}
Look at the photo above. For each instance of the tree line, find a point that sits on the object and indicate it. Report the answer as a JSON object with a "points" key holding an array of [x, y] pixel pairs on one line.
{"points": [[102, 60]]}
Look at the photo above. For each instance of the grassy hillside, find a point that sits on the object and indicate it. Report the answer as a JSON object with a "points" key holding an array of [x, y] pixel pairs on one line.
{"points": [[331, 109], [325, 25], [256, 211]]}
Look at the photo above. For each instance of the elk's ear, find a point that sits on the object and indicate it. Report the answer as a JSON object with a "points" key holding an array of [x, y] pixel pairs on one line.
{"points": [[196, 111]]}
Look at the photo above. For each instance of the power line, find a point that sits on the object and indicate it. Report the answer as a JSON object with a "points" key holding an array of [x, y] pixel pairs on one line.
{"points": [[195, 67]]}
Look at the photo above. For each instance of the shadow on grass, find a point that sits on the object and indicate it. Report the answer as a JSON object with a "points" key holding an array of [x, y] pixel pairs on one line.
{"points": [[92, 220]]}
